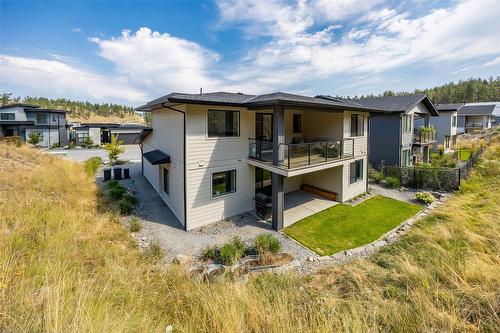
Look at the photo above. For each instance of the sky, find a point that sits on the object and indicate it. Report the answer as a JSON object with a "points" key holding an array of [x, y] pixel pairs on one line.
{"points": [[133, 51]]}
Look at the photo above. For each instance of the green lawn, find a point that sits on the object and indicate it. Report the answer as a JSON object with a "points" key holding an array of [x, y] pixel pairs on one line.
{"points": [[343, 227], [464, 155]]}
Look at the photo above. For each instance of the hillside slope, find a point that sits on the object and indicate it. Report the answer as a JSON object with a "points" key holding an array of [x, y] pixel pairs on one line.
{"points": [[68, 265]]}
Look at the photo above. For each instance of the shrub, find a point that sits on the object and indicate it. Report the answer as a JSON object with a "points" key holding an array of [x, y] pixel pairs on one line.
{"points": [[117, 192], [425, 197], [113, 148], [34, 138], [444, 161], [376, 176], [130, 198], [267, 243], [393, 182], [125, 207], [92, 164], [232, 251], [210, 252], [153, 252], [88, 141], [112, 183], [135, 225]]}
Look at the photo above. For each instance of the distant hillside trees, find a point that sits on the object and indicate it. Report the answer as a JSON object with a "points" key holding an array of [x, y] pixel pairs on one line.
{"points": [[77, 108], [464, 91]]}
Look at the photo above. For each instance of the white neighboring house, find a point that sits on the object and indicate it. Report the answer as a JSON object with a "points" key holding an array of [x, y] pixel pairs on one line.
{"points": [[475, 117], [101, 133], [23, 119], [209, 155], [446, 125]]}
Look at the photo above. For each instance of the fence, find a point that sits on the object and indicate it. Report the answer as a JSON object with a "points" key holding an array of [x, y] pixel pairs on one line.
{"points": [[431, 178]]}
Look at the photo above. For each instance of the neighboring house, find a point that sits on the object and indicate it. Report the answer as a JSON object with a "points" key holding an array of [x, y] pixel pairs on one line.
{"points": [[22, 119], [394, 137], [209, 155], [445, 126], [101, 133], [475, 117]]}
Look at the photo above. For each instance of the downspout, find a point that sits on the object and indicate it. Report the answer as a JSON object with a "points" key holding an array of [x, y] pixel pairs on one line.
{"points": [[185, 162]]}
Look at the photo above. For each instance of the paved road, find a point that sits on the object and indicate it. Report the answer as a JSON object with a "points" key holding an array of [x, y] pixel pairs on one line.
{"points": [[132, 153]]}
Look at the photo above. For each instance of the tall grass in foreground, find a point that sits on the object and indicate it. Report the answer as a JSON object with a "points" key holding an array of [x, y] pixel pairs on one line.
{"points": [[68, 266]]}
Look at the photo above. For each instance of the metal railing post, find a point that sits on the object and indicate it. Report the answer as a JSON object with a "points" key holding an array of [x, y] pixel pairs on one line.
{"points": [[309, 153], [326, 151]]}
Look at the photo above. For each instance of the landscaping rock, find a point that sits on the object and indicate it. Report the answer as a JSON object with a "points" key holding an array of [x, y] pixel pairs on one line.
{"points": [[379, 243], [182, 259], [213, 271]]}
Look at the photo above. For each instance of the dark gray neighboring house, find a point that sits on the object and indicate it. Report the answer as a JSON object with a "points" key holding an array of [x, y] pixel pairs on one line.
{"points": [[394, 137], [101, 133], [22, 119]]}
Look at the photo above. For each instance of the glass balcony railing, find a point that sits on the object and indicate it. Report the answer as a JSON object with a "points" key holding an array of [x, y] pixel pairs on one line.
{"points": [[425, 136], [296, 155]]}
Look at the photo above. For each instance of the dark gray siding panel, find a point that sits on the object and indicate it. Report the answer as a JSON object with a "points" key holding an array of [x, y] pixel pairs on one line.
{"points": [[385, 139]]}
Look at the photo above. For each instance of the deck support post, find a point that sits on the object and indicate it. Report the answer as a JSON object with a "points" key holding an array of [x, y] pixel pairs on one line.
{"points": [[278, 196]]}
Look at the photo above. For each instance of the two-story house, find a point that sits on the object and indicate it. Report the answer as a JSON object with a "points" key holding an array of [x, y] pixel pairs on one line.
{"points": [[445, 126], [394, 137], [23, 119], [209, 155]]}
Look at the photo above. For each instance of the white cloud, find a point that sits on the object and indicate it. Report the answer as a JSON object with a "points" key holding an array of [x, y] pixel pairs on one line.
{"points": [[55, 78], [493, 62], [159, 62], [77, 29]]}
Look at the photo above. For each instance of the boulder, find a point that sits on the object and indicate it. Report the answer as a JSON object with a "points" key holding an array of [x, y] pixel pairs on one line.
{"points": [[182, 259], [214, 270]]}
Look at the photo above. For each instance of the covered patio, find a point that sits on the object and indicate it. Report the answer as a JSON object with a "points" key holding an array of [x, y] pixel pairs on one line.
{"points": [[301, 204]]}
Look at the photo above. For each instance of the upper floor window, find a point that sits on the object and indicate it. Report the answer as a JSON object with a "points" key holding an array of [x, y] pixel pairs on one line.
{"points": [[297, 123], [407, 123], [454, 121], [356, 171], [7, 116], [223, 123], [357, 125], [41, 118]]}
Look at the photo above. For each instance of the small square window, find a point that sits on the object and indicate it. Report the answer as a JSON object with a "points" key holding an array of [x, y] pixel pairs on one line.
{"points": [[223, 183]]}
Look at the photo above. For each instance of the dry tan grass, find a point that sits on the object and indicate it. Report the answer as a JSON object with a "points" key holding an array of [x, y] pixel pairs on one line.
{"points": [[94, 118], [67, 265]]}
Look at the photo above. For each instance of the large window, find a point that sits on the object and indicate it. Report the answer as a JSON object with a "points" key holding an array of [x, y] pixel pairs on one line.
{"points": [[223, 183], [223, 123], [356, 171], [165, 181], [297, 123], [41, 118], [7, 116], [406, 157], [357, 125], [81, 136], [407, 123]]}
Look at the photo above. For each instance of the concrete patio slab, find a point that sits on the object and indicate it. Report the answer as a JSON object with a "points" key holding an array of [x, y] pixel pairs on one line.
{"points": [[300, 204]]}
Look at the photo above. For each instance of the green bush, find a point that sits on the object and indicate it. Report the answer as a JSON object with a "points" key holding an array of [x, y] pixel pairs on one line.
{"points": [[135, 225], [92, 164], [425, 197], [267, 243], [393, 182], [376, 176], [444, 161], [112, 183], [210, 252], [125, 207], [117, 192], [130, 198], [232, 251]]}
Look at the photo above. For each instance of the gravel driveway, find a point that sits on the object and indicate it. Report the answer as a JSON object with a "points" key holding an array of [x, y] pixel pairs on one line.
{"points": [[131, 153]]}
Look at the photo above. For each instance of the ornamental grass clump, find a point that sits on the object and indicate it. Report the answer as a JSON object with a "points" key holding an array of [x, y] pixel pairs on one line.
{"points": [[231, 252], [267, 243], [425, 197]]}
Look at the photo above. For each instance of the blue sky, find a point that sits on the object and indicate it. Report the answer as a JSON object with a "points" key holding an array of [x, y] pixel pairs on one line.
{"points": [[130, 52]]}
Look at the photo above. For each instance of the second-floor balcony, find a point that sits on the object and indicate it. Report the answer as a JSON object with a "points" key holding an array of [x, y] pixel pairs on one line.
{"points": [[425, 135], [297, 155]]}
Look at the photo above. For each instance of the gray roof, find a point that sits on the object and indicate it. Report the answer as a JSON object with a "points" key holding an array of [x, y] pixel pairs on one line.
{"points": [[398, 103], [476, 110], [449, 106], [38, 109], [15, 105], [255, 101]]}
